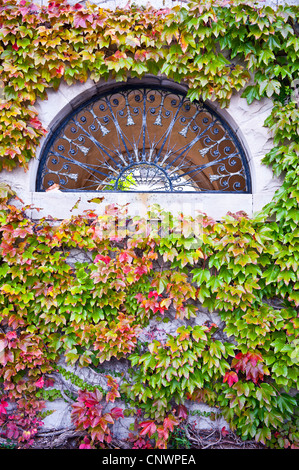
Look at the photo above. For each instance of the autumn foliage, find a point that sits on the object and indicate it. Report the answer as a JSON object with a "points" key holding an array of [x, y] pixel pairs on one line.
{"points": [[88, 414], [95, 311]]}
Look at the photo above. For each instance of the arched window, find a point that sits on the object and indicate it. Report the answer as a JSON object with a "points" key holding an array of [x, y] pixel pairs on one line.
{"points": [[144, 138]]}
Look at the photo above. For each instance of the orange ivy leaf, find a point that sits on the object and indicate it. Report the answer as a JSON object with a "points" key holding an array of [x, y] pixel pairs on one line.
{"points": [[231, 378], [170, 422]]}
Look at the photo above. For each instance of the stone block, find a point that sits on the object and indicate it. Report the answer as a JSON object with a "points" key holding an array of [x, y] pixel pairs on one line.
{"points": [[199, 415], [74, 93], [18, 180]]}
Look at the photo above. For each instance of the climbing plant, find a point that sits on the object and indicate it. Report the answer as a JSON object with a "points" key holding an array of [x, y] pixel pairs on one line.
{"points": [[95, 311]]}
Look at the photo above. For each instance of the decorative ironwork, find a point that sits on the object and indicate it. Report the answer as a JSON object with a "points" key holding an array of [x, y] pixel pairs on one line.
{"points": [[144, 139]]}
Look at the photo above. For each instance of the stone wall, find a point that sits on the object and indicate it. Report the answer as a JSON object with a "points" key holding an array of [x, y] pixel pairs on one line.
{"points": [[198, 413], [246, 121]]}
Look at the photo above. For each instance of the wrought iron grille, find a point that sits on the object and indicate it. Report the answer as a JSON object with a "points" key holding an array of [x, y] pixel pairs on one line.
{"points": [[144, 139]]}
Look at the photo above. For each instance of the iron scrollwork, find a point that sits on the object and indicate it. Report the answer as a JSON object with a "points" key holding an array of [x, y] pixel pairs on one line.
{"points": [[144, 139]]}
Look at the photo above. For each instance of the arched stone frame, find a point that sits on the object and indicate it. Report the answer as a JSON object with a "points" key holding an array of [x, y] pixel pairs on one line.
{"points": [[149, 136], [246, 121]]}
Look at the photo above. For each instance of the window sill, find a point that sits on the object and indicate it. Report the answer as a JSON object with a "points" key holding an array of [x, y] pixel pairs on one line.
{"points": [[60, 205]]}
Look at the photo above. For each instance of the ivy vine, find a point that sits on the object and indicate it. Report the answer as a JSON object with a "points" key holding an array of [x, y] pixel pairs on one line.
{"points": [[244, 268]]}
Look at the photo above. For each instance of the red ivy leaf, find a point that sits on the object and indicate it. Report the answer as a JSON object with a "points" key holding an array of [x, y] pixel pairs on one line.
{"points": [[250, 364], [163, 436], [117, 413], [5, 357], [170, 422], [78, 6], [149, 428], [49, 382], [182, 412], [153, 294], [125, 256], [12, 431], [3, 405], [40, 382], [254, 358], [112, 395], [141, 270], [89, 403], [85, 444], [230, 377], [11, 335], [80, 20], [60, 70], [105, 259], [111, 382]]}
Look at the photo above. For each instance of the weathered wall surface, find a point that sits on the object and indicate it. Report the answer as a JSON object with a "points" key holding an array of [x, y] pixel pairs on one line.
{"points": [[246, 121], [198, 413]]}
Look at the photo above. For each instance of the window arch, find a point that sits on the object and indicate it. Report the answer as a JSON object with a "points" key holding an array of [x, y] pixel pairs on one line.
{"points": [[145, 138]]}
